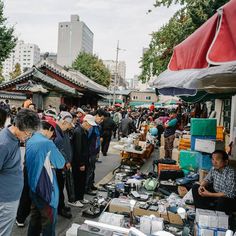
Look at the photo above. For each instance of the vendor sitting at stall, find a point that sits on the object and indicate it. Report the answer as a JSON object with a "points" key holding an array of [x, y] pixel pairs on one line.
{"points": [[218, 190]]}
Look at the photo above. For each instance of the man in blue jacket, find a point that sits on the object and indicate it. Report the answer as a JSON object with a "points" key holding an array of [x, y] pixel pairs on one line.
{"points": [[42, 159]]}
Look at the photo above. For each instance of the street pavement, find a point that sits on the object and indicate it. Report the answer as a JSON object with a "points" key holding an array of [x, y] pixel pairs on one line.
{"points": [[102, 174]]}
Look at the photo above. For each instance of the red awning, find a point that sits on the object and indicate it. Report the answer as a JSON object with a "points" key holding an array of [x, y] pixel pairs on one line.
{"points": [[213, 43]]}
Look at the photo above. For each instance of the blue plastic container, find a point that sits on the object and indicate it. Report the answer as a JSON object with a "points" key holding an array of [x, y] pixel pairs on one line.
{"points": [[204, 162]]}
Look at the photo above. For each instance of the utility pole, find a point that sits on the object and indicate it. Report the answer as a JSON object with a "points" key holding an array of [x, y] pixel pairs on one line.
{"points": [[116, 73]]}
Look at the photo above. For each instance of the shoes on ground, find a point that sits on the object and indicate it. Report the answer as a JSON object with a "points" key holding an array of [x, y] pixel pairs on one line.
{"points": [[64, 213], [91, 192], [76, 204], [84, 201], [20, 224], [98, 161], [94, 188], [104, 154]]}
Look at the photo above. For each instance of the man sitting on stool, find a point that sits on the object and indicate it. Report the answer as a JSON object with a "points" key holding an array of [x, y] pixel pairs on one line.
{"points": [[218, 190]]}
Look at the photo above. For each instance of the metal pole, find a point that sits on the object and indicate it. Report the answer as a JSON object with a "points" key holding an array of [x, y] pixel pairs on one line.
{"points": [[116, 72]]}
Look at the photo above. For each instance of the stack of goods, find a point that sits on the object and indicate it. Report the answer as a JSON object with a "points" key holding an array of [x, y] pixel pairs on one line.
{"points": [[211, 222], [220, 133], [204, 142], [184, 144]]}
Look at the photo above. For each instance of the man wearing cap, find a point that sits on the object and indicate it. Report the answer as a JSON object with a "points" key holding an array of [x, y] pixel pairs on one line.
{"points": [[80, 145], [80, 114], [62, 141]]}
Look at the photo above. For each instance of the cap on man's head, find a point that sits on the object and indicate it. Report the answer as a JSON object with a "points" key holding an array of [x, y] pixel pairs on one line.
{"points": [[90, 119], [80, 110], [65, 115]]}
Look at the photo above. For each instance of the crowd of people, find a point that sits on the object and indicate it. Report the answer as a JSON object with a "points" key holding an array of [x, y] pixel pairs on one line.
{"points": [[58, 145], [64, 145]]}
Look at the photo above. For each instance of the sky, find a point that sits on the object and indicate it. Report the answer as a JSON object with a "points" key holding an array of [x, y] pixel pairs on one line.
{"points": [[110, 20]]}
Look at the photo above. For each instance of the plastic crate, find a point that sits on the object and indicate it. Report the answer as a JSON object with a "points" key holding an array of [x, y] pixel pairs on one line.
{"points": [[203, 127], [220, 133], [184, 144], [167, 167]]}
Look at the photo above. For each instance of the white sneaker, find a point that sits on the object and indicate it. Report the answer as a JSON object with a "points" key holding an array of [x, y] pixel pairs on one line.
{"points": [[84, 201], [76, 204], [20, 224]]}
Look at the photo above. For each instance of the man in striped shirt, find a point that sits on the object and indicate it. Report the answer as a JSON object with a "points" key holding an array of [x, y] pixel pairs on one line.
{"points": [[218, 190]]}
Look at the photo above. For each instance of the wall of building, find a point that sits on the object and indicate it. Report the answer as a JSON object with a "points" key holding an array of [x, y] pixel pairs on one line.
{"points": [[143, 96], [73, 37], [53, 99], [26, 54]]}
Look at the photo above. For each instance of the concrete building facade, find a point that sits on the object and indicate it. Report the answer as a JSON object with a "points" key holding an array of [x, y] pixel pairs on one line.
{"points": [[26, 54], [73, 37]]}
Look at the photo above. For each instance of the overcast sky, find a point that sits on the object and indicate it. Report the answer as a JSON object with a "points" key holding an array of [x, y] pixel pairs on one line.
{"points": [[36, 21]]}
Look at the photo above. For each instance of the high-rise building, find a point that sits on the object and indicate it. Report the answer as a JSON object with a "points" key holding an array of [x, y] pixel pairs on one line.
{"points": [[26, 54], [73, 37], [121, 71]]}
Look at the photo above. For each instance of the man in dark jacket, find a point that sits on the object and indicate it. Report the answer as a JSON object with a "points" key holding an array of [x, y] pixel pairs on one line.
{"points": [[127, 126], [108, 126], [62, 141], [80, 144]]}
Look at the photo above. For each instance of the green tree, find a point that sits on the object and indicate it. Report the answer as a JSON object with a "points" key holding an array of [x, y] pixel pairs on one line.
{"points": [[16, 72], [93, 67], [7, 38], [1, 76], [184, 22]]}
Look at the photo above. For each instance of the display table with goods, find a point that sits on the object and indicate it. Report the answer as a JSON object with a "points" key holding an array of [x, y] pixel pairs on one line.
{"points": [[133, 150]]}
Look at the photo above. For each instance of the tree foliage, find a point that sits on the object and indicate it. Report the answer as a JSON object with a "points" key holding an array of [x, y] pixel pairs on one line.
{"points": [[1, 76], [16, 72], [7, 38], [93, 67], [184, 22]]}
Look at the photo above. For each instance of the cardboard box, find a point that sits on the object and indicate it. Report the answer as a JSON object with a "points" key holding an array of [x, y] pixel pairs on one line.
{"points": [[208, 146], [194, 137], [175, 155], [202, 174], [176, 142], [223, 220], [162, 140], [161, 152], [203, 126], [119, 205], [170, 217]]}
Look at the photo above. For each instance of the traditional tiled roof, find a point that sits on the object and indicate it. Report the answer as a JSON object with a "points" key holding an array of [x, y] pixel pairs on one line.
{"points": [[12, 95], [73, 76], [35, 75]]}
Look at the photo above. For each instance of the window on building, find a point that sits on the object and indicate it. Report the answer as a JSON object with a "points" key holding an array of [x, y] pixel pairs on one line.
{"points": [[148, 97], [135, 97]]}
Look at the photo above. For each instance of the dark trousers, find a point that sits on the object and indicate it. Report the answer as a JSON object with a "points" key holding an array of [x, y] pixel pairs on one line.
{"points": [[169, 145], [106, 142], [79, 182], [61, 185], [213, 203], [43, 218], [25, 201], [90, 175]]}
